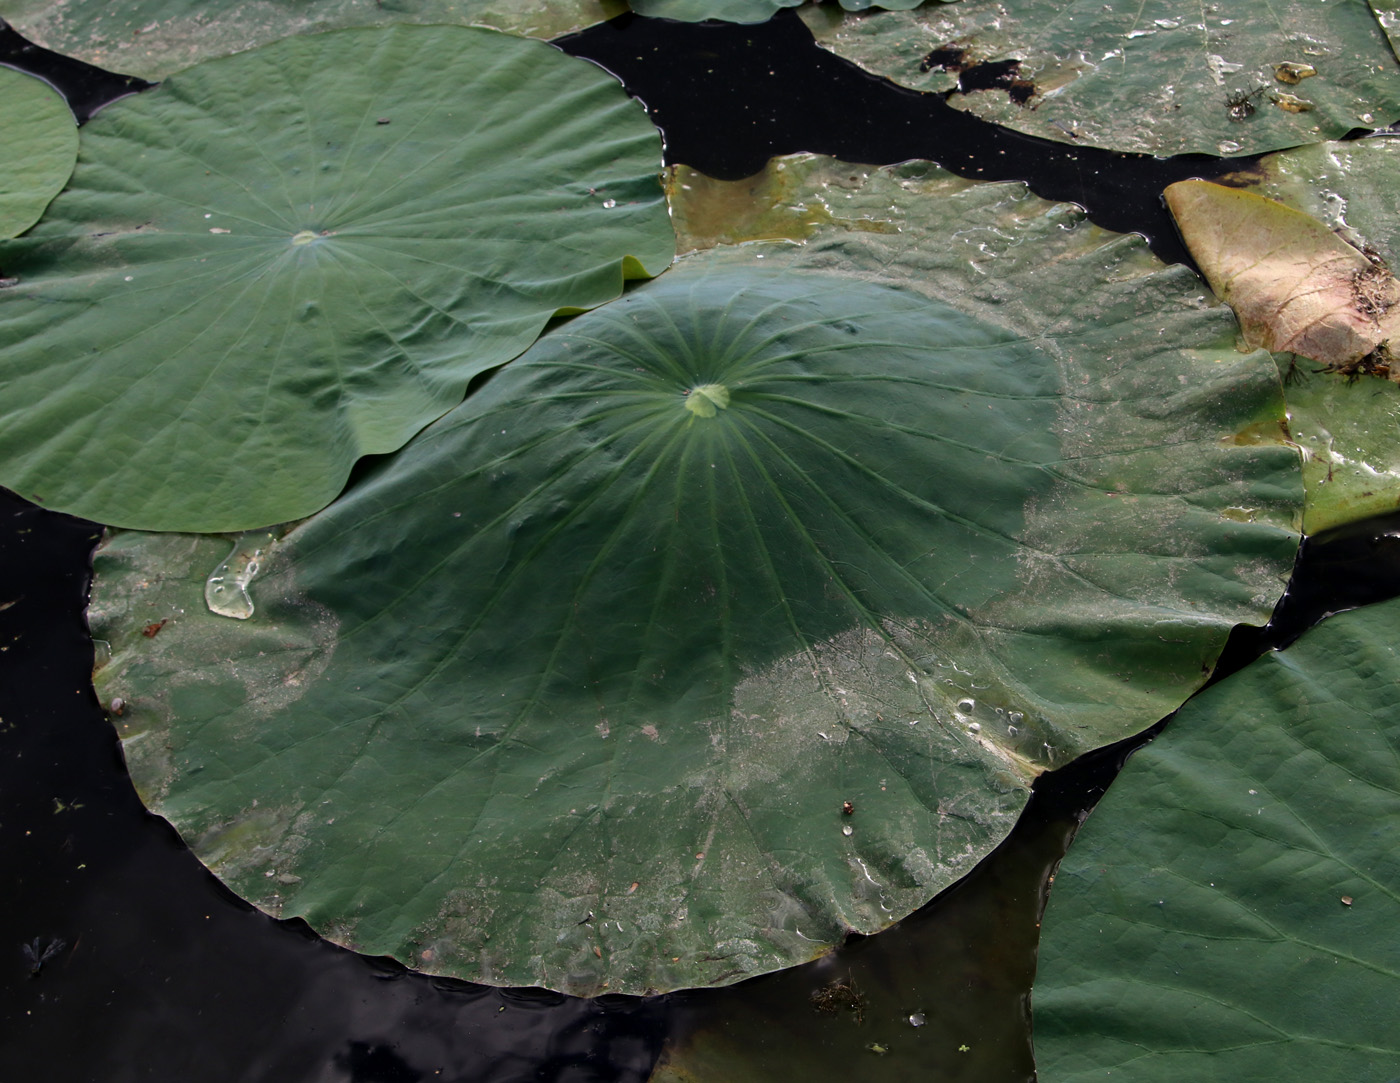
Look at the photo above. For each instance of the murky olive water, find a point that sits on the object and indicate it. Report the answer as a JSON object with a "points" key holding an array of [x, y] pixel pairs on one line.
{"points": [[121, 958]]}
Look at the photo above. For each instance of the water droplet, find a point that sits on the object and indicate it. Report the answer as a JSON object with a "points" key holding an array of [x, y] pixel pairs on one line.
{"points": [[304, 237], [1227, 146], [226, 590], [965, 706], [917, 1019], [974, 727], [1016, 717], [609, 204], [848, 830]]}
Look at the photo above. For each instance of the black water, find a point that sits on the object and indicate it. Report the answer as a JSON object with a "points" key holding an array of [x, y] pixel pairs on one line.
{"points": [[122, 959]]}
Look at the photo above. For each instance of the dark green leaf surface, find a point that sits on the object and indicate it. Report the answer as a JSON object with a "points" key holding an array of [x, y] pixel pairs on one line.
{"points": [[38, 145], [154, 38], [620, 635], [1229, 910], [1160, 76], [284, 260]]}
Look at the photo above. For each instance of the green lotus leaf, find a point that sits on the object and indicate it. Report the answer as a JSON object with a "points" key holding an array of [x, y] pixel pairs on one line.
{"points": [[38, 145], [1347, 426], [1229, 910], [153, 38], [572, 690], [283, 260], [1161, 77], [747, 11]]}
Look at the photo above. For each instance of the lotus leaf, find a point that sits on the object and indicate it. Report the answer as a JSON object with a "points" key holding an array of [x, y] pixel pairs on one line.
{"points": [[283, 260], [153, 38], [746, 11], [573, 689], [1229, 910], [1349, 428], [1162, 77], [38, 145]]}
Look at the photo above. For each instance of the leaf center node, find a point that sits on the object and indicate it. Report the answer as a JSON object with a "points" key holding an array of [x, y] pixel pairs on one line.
{"points": [[707, 399]]}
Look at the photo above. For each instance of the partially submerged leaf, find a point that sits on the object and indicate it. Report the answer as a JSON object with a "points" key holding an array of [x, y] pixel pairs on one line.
{"points": [[38, 146], [1229, 910], [577, 685], [1294, 284], [283, 260], [1160, 76], [154, 38]]}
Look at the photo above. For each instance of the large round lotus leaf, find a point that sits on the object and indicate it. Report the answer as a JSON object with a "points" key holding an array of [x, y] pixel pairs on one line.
{"points": [[153, 38], [38, 145], [1161, 76], [286, 259], [747, 11], [572, 690], [1349, 427], [1230, 909]]}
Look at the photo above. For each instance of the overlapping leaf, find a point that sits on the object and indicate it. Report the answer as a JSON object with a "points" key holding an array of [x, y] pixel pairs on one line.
{"points": [[38, 146], [1348, 426], [1229, 910], [573, 689], [154, 38], [1295, 285], [281, 261], [1163, 77]]}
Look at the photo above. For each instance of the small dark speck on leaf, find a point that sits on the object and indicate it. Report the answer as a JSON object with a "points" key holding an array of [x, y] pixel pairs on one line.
{"points": [[382, 120]]}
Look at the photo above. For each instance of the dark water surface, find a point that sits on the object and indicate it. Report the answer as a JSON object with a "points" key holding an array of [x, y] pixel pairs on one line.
{"points": [[123, 959]]}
